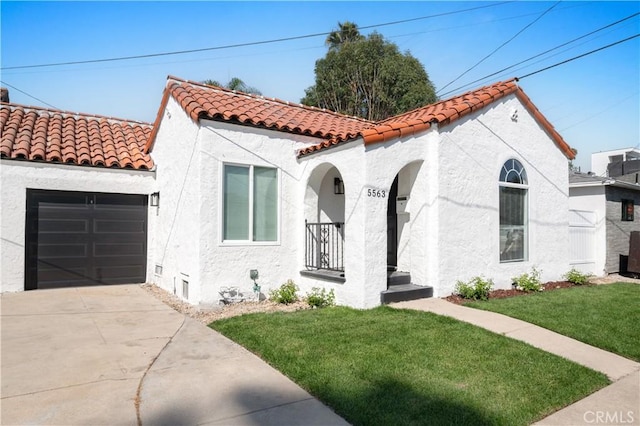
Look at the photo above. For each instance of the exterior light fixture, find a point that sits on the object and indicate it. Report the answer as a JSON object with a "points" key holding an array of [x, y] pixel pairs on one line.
{"points": [[155, 199], [338, 186]]}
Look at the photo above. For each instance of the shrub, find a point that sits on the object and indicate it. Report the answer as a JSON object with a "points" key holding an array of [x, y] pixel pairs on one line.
{"points": [[529, 281], [477, 288], [577, 277], [285, 294], [320, 298]]}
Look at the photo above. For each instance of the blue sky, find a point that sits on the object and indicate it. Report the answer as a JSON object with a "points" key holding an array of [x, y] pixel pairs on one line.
{"points": [[594, 102]]}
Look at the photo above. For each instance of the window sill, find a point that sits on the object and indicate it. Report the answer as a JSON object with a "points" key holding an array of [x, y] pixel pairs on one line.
{"points": [[248, 243]]}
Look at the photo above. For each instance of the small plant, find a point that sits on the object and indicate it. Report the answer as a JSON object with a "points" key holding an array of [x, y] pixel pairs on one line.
{"points": [[320, 298], [577, 277], [285, 294], [529, 281], [477, 288]]}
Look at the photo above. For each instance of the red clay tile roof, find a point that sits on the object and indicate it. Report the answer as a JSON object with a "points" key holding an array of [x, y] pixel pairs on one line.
{"points": [[443, 113], [201, 101], [38, 134], [214, 103], [448, 111]]}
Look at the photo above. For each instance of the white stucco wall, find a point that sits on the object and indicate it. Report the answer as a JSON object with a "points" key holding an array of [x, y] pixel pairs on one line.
{"points": [[18, 176], [176, 154], [190, 246], [592, 198], [472, 153]]}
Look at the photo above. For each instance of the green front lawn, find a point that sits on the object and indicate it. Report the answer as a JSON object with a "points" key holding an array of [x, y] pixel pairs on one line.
{"points": [[388, 366], [605, 316]]}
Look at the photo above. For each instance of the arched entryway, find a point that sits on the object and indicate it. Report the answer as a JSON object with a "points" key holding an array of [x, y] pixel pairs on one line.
{"points": [[405, 235], [402, 205], [325, 223]]}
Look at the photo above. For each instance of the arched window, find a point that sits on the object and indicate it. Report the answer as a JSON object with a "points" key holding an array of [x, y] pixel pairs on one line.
{"points": [[513, 212]]}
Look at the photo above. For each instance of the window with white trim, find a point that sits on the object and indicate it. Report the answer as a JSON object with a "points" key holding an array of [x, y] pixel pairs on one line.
{"points": [[514, 216], [250, 203]]}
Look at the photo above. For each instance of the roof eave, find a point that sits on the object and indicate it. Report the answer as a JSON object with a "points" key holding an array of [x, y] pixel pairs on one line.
{"points": [[156, 124]]}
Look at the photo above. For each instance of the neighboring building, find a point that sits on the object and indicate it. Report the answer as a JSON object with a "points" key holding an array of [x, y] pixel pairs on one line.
{"points": [[616, 163], [74, 199], [473, 185], [606, 212]]}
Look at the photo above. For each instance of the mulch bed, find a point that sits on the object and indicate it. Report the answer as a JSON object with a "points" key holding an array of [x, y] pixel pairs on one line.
{"points": [[502, 294]]}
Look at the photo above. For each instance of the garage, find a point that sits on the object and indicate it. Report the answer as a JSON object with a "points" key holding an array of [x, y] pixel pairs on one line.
{"points": [[83, 239]]}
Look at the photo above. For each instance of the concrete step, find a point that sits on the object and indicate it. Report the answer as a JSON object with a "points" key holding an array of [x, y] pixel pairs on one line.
{"points": [[398, 278], [405, 292]]}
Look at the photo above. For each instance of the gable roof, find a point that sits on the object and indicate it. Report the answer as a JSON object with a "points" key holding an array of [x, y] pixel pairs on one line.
{"points": [[201, 101], [447, 111], [54, 136], [214, 103]]}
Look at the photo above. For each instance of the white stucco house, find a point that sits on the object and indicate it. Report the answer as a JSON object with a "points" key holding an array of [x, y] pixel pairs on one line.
{"points": [[472, 185], [377, 211]]}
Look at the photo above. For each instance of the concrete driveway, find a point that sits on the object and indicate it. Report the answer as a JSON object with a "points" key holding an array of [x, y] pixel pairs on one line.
{"points": [[116, 355]]}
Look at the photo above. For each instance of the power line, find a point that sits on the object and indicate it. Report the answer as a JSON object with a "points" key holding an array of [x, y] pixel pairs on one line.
{"points": [[543, 53], [500, 47], [31, 96], [253, 43], [579, 56]]}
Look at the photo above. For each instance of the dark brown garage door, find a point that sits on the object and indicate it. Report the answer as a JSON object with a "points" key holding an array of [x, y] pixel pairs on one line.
{"points": [[81, 239]]}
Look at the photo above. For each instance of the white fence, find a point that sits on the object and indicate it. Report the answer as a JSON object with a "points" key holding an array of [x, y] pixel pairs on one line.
{"points": [[582, 240]]}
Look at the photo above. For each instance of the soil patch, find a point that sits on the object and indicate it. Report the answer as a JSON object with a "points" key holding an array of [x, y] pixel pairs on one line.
{"points": [[208, 314], [503, 294]]}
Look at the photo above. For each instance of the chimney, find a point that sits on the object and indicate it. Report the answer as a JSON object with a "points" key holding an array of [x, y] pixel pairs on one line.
{"points": [[4, 95]]}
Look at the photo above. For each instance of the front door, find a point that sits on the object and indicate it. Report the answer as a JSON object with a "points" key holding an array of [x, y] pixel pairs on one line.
{"points": [[392, 228]]}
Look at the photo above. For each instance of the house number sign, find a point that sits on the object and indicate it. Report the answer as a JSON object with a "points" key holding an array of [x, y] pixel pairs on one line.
{"points": [[376, 193]]}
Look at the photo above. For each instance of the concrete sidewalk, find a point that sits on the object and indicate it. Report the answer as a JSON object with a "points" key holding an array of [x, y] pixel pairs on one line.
{"points": [[116, 355], [618, 403]]}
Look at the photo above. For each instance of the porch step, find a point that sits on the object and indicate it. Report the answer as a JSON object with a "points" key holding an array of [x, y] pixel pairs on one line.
{"points": [[404, 292], [398, 278]]}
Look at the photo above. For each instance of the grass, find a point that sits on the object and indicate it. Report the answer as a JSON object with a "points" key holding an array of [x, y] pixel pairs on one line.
{"points": [[605, 316], [389, 366]]}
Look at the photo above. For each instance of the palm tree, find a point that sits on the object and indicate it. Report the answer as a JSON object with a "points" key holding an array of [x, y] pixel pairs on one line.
{"points": [[347, 32], [234, 84]]}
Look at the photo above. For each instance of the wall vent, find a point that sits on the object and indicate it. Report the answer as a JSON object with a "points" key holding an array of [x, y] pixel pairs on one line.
{"points": [[158, 270], [185, 289]]}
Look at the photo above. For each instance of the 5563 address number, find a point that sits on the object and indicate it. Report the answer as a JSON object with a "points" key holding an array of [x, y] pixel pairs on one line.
{"points": [[376, 193]]}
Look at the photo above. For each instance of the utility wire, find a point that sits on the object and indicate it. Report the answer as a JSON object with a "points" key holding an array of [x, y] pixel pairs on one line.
{"points": [[542, 53], [31, 96], [499, 47], [559, 63], [253, 43], [579, 56]]}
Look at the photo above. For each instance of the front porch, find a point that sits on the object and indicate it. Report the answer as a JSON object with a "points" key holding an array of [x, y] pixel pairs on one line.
{"points": [[324, 260]]}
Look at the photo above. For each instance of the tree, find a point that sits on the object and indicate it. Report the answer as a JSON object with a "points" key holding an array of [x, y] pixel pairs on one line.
{"points": [[347, 32], [234, 84], [368, 77]]}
